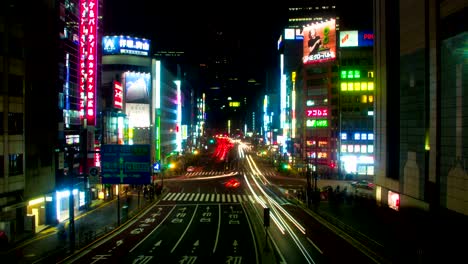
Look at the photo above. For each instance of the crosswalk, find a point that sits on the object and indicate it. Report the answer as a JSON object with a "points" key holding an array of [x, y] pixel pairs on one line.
{"points": [[208, 197], [215, 173], [213, 198]]}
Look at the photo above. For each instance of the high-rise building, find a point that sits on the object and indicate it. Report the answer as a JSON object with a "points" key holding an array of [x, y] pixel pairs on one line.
{"points": [[420, 93], [47, 48]]}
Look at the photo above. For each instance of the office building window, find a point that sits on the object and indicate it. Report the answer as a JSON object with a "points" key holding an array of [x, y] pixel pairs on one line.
{"points": [[15, 123], [15, 164]]}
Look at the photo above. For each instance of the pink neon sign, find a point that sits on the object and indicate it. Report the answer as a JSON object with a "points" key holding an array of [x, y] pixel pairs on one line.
{"points": [[88, 59], [118, 95], [317, 112]]}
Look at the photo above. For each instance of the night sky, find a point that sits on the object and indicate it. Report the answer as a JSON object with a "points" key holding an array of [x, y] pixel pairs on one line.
{"points": [[187, 26]]}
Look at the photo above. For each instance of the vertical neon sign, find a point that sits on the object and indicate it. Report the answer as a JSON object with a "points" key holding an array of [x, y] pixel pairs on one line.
{"points": [[88, 57]]}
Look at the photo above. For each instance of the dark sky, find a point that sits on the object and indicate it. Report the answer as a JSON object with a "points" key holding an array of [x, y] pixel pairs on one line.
{"points": [[186, 25]]}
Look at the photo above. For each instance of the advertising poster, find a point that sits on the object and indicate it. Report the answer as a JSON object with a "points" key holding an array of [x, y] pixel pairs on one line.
{"points": [[137, 87], [319, 42]]}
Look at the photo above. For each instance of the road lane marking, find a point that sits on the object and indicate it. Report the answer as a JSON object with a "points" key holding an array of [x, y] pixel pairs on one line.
{"points": [[219, 227], [185, 231], [313, 244]]}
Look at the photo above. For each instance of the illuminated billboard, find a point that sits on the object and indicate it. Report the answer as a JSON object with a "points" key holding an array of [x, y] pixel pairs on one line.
{"points": [[137, 87], [349, 38], [88, 59], [138, 115], [125, 45], [118, 95], [317, 112], [319, 43], [355, 38], [317, 123]]}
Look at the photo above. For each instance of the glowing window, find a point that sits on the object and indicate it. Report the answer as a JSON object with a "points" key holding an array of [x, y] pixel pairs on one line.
{"points": [[344, 86], [370, 113], [371, 98], [363, 136], [363, 148], [357, 148], [370, 136], [363, 86], [357, 136], [343, 148], [344, 136], [370, 74], [370, 86], [357, 74], [364, 99], [350, 87], [350, 74], [357, 86], [370, 149], [343, 74], [350, 148]]}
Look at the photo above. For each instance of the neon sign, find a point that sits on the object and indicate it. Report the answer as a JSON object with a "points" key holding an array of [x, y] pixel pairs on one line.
{"points": [[317, 123], [88, 59], [118, 95], [317, 112]]}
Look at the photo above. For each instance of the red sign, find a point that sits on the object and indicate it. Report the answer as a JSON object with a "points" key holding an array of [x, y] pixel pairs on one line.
{"points": [[317, 112], [88, 59], [118, 95]]}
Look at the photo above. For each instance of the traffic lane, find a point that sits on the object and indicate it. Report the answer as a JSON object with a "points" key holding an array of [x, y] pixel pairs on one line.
{"points": [[163, 242], [116, 246], [199, 240], [236, 243], [334, 247]]}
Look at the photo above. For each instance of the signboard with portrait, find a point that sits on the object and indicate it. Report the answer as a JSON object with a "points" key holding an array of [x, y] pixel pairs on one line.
{"points": [[319, 42]]}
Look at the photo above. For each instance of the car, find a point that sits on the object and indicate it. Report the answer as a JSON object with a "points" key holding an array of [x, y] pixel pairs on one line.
{"points": [[363, 184], [190, 169], [232, 183]]}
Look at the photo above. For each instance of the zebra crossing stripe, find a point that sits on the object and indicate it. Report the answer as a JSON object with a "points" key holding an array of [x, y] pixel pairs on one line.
{"points": [[167, 196], [207, 197], [176, 197], [191, 196]]}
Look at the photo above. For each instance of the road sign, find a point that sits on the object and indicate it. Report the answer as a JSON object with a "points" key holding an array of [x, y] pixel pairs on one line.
{"points": [[126, 164], [157, 167]]}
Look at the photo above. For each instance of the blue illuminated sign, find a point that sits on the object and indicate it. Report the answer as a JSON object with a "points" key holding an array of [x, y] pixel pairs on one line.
{"points": [[157, 167], [126, 164], [125, 45]]}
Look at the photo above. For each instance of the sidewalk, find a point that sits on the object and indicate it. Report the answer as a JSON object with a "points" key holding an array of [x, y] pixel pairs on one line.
{"points": [[405, 236], [48, 247]]}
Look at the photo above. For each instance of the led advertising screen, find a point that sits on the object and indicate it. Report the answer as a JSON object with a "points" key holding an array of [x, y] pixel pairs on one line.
{"points": [[138, 115], [319, 42], [137, 87], [125, 45], [349, 38], [355, 38]]}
